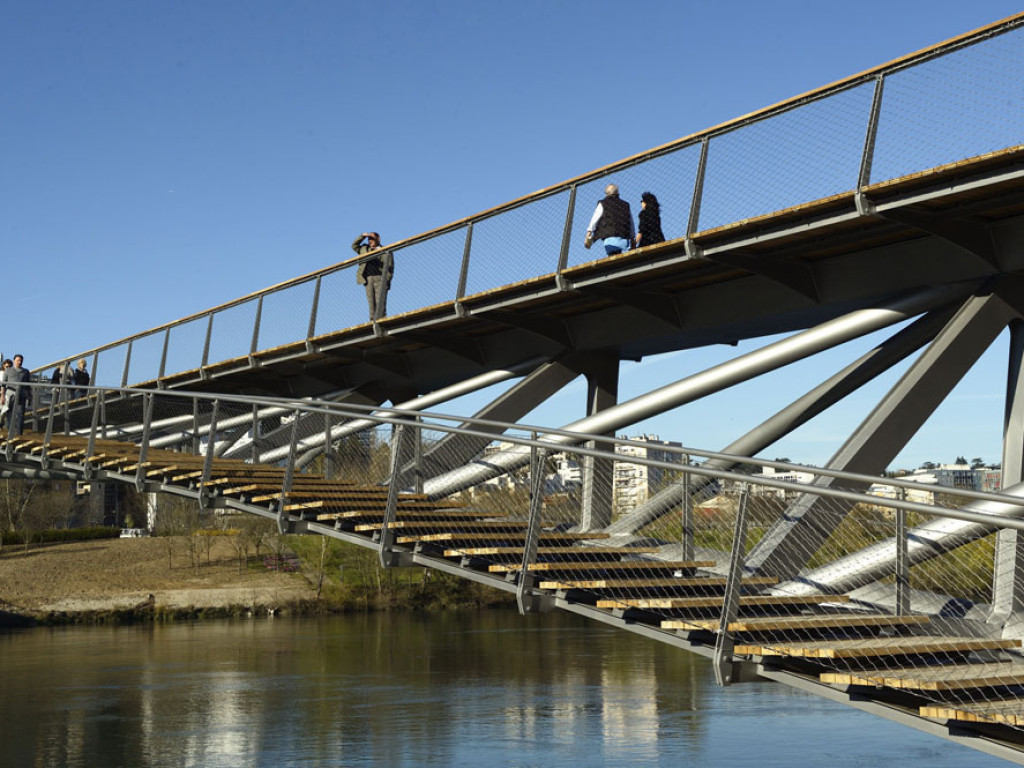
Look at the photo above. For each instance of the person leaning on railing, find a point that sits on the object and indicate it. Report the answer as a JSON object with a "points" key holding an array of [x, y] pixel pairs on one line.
{"points": [[80, 378], [375, 273]]}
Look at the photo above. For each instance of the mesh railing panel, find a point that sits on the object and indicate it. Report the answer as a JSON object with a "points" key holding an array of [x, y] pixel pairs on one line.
{"points": [[517, 244], [232, 332], [282, 319], [799, 156], [427, 273], [342, 302], [964, 104]]}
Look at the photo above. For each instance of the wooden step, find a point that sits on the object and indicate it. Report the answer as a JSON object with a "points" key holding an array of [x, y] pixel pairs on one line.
{"points": [[1002, 711], [674, 583], [746, 601], [444, 527], [591, 553], [857, 648], [811, 622], [948, 677], [412, 512], [646, 567], [549, 538]]}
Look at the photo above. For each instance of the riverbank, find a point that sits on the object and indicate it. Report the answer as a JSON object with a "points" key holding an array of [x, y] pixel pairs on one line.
{"points": [[137, 578], [168, 578]]}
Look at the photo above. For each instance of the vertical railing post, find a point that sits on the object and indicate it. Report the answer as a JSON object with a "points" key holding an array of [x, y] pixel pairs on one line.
{"points": [[686, 534], [868, 155], [49, 418], [724, 641], [328, 461], [255, 434], [417, 457], [195, 426], [36, 395], [211, 441], [90, 449], [163, 358], [314, 310], [693, 220], [206, 343], [147, 420], [127, 364], [460, 289], [95, 368], [255, 344], [103, 414], [563, 252], [902, 604], [48, 434], [524, 585], [283, 521], [399, 450]]}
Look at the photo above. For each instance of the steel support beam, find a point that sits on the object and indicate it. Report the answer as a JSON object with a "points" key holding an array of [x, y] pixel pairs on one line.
{"points": [[455, 450], [743, 368], [810, 520], [799, 412], [602, 393], [314, 444], [1008, 572]]}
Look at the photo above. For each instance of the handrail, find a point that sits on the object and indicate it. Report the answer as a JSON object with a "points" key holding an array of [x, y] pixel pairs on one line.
{"points": [[398, 417], [940, 49]]}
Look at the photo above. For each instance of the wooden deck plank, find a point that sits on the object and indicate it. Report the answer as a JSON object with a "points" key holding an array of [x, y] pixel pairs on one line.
{"points": [[1002, 711], [646, 566], [681, 582], [467, 537], [949, 677], [477, 526], [901, 645], [591, 551], [676, 603], [415, 512], [820, 622]]}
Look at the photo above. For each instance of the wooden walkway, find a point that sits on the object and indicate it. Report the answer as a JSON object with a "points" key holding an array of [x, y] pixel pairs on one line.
{"points": [[904, 661]]}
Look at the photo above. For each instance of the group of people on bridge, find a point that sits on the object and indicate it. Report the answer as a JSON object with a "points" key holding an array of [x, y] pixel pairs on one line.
{"points": [[15, 399], [612, 223]]}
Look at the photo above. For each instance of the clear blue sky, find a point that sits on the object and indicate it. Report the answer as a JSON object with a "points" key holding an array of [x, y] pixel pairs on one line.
{"points": [[162, 158]]}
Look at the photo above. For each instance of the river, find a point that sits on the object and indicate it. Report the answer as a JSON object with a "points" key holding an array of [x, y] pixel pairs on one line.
{"points": [[475, 689]]}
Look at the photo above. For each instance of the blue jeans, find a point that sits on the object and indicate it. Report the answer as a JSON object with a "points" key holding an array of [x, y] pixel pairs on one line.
{"points": [[613, 245]]}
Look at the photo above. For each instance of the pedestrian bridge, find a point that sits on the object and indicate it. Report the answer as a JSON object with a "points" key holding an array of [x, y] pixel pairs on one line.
{"points": [[892, 199]]}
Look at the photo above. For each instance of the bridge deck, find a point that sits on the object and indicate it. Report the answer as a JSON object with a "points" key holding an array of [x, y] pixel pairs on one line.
{"points": [[875, 656]]}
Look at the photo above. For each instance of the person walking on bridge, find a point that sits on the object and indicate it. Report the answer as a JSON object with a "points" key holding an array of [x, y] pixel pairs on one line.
{"points": [[374, 273], [16, 397], [612, 223], [649, 229]]}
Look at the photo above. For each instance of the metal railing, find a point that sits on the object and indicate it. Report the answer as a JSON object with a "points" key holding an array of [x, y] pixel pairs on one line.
{"points": [[941, 105]]}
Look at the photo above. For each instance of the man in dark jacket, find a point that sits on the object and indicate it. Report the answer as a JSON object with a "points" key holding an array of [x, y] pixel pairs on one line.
{"points": [[374, 273], [17, 398], [612, 223]]}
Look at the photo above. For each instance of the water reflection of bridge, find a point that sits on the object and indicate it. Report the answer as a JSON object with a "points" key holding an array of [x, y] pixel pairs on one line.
{"points": [[890, 197]]}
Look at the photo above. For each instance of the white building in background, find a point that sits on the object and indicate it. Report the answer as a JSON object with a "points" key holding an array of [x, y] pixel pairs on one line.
{"points": [[633, 483], [787, 475], [951, 476]]}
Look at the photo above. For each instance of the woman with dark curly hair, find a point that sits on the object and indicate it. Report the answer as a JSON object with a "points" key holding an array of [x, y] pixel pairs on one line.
{"points": [[649, 231]]}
